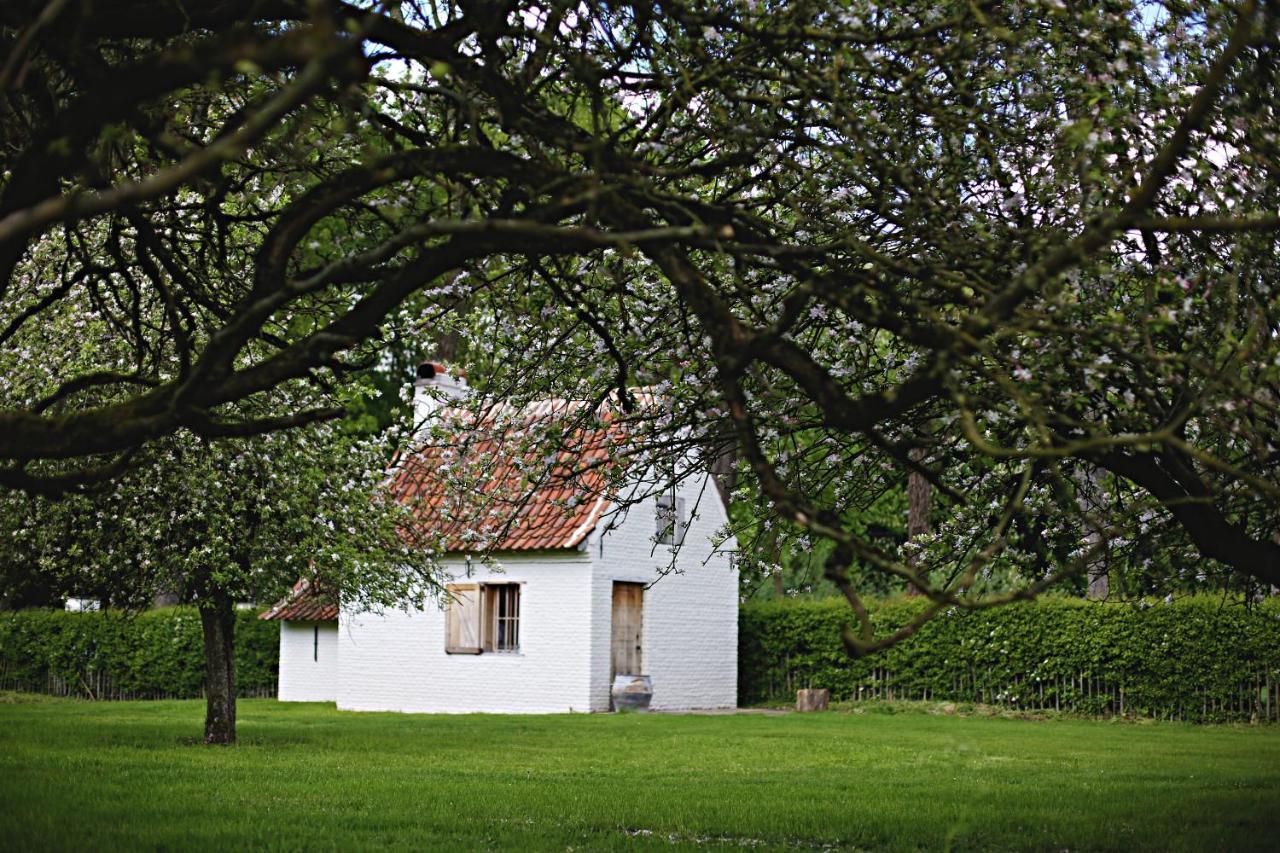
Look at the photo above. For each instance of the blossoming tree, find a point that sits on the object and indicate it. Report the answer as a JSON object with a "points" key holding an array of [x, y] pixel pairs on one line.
{"points": [[1025, 251], [233, 521]]}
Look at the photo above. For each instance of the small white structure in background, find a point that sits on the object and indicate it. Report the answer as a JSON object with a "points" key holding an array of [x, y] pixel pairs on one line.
{"points": [[308, 645], [575, 594], [83, 605]]}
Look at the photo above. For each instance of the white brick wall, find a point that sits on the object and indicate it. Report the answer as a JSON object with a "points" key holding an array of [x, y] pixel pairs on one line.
{"points": [[308, 670], [397, 661], [690, 639]]}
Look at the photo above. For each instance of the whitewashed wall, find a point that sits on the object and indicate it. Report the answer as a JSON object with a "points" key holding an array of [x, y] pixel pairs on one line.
{"points": [[396, 661], [690, 639], [309, 671]]}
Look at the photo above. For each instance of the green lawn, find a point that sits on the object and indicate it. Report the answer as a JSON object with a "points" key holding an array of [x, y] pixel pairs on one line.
{"points": [[79, 775]]}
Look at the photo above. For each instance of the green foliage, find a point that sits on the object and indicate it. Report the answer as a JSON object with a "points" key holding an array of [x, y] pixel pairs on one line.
{"points": [[114, 655], [781, 561], [236, 520], [1197, 658]]}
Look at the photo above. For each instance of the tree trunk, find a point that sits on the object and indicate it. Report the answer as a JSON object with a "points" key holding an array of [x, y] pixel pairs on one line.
{"points": [[1099, 581], [812, 700], [724, 473], [218, 618], [919, 492], [1088, 498]]}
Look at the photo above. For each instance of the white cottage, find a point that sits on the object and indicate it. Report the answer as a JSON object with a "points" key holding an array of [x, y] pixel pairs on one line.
{"points": [[576, 593]]}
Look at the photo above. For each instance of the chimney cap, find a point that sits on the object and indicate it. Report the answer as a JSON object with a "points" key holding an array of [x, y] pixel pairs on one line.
{"points": [[431, 369]]}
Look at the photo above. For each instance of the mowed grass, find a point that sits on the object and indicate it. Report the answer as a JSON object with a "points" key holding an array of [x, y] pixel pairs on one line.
{"points": [[131, 775]]}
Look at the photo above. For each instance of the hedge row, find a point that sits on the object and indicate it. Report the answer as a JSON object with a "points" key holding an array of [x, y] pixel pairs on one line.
{"points": [[109, 655], [1197, 659], [1193, 659]]}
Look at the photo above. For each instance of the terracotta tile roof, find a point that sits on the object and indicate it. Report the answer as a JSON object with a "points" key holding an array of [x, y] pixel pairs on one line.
{"points": [[304, 604], [489, 485]]}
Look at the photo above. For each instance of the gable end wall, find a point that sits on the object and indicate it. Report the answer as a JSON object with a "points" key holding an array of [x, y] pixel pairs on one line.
{"points": [[690, 635]]}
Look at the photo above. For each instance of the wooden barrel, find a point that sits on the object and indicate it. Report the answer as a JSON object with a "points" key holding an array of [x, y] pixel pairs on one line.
{"points": [[632, 692]]}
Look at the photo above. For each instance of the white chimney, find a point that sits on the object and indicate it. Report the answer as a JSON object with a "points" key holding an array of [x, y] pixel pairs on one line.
{"points": [[436, 386]]}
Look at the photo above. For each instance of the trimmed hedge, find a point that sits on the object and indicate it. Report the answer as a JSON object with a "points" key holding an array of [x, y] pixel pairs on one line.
{"points": [[1196, 659], [110, 655]]}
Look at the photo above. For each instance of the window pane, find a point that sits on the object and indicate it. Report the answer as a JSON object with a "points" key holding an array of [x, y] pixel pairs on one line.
{"points": [[666, 520], [502, 602], [514, 608]]}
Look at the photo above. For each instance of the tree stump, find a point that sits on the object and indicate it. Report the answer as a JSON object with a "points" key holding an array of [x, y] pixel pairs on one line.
{"points": [[812, 700]]}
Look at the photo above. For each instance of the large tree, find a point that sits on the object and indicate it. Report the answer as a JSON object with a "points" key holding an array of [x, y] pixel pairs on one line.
{"points": [[1007, 247], [221, 523]]}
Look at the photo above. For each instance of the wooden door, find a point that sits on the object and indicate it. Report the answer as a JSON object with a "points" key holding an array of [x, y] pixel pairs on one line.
{"points": [[628, 613]]}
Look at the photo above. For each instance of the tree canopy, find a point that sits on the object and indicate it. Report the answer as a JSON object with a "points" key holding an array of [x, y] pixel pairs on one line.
{"points": [[1025, 250], [220, 523]]}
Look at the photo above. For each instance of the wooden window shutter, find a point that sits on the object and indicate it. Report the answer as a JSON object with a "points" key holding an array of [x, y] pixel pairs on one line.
{"points": [[462, 619]]}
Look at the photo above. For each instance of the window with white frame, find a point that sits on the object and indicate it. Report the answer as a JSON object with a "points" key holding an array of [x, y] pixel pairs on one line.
{"points": [[502, 617], [671, 520], [482, 617]]}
